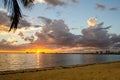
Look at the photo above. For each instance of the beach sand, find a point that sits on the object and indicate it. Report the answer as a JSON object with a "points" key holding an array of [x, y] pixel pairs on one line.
{"points": [[104, 71]]}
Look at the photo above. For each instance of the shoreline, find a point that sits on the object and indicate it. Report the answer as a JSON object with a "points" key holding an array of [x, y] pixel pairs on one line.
{"points": [[99, 71], [58, 53], [51, 68]]}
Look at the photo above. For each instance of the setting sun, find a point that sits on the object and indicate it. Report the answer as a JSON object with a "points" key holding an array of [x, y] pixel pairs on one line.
{"points": [[42, 51], [38, 51]]}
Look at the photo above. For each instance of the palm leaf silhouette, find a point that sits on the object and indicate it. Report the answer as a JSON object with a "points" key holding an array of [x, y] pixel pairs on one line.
{"points": [[14, 9]]}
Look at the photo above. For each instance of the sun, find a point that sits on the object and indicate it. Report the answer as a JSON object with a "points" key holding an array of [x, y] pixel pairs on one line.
{"points": [[38, 51]]}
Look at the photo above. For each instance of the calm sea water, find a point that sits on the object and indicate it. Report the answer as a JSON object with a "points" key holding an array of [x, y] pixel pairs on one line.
{"points": [[27, 61]]}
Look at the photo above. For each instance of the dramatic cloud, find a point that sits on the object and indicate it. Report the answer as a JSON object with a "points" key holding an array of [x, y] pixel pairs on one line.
{"points": [[96, 35], [55, 34]]}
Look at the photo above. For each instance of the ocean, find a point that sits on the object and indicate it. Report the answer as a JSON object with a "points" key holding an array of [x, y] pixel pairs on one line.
{"points": [[30, 61]]}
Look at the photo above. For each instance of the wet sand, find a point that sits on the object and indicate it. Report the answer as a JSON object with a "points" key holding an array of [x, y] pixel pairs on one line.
{"points": [[103, 71]]}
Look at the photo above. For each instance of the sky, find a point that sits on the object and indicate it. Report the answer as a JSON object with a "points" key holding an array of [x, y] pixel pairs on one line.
{"points": [[70, 26]]}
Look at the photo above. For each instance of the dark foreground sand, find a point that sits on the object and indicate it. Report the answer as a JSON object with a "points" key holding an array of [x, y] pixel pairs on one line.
{"points": [[106, 71]]}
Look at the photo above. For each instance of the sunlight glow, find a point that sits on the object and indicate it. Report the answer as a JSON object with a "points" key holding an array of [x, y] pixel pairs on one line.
{"points": [[38, 51], [42, 51]]}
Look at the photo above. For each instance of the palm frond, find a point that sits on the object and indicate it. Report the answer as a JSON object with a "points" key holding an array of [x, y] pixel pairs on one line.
{"points": [[14, 10]]}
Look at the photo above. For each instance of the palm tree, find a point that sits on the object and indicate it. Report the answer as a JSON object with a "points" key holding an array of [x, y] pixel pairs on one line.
{"points": [[14, 9]]}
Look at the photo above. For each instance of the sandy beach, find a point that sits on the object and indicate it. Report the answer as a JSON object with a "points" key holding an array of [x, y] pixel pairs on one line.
{"points": [[103, 71]]}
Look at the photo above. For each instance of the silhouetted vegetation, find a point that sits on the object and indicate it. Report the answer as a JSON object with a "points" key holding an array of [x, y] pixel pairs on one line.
{"points": [[14, 9]]}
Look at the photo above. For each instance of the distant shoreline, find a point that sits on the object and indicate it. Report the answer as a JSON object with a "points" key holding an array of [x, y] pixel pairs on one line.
{"points": [[53, 53]]}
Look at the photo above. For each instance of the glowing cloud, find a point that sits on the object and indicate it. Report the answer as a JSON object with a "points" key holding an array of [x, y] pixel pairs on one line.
{"points": [[92, 22], [40, 1]]}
